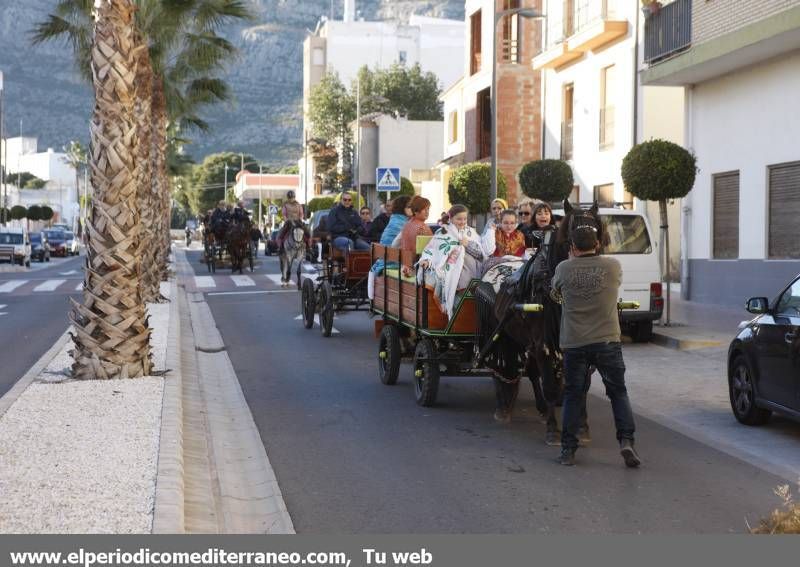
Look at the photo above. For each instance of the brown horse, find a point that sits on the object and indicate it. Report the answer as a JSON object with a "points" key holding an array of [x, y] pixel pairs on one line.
{"points": [[237, 238], [530, 341]]}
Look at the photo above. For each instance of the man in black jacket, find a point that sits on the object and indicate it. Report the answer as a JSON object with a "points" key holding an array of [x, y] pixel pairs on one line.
{"points": [[345, 226]]}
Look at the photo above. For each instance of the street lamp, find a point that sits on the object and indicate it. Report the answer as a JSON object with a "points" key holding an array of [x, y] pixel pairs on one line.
{"points": [[524, 13], [3, 165]]}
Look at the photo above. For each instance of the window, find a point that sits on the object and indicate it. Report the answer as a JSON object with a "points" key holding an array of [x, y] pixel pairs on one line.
{"points": [[627, 200], [726, 216], [607, 76], [402, 57], [10, 238], [484, 107], [575, 196], [604, 194], [318, 56], [568, 98], [475, 43], [452, 127], [569, 17], [627, 234], [510, 41], [789, 303], [784, 210]]}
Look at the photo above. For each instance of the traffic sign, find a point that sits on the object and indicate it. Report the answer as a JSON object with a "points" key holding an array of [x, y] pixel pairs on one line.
{"points": [[388, 178], [273, 210]]}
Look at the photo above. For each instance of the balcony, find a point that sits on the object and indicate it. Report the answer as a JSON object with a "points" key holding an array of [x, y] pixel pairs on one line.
{"points": [[668, 32], [566, 140], [555, 57], [595, 26]]}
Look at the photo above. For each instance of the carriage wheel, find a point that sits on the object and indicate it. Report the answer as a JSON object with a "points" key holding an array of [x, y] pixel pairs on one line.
{"points": [[326, 309], [426, 373], [389, 353], [308, 304]]}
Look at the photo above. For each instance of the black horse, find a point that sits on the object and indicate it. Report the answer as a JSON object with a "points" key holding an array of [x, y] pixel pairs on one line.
{"points": [[518, 340]]}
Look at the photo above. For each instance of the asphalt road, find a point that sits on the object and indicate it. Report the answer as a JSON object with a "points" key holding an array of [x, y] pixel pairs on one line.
{"points": [[32, 319], [353, 456]]}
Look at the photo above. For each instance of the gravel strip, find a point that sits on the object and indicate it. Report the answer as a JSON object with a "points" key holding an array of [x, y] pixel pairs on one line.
{"points": [[81, 456]]}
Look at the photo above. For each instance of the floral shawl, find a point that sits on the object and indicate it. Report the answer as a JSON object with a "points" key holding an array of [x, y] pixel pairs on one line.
{"points": [[446, 256]]}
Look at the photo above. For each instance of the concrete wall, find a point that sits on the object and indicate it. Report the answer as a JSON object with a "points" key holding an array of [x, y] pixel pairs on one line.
{"points": [[408, 144], [713, 18], [746, 122]]}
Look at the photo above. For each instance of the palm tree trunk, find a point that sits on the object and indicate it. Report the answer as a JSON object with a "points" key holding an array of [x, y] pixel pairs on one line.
{"points": [[112, 334], [161, 179]]}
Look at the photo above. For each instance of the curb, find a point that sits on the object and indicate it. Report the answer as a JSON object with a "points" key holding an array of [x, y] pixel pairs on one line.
{"points": [[22, 384], [682, 344], [168, 514]]}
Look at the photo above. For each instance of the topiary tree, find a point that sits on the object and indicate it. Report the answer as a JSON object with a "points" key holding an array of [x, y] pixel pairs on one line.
{"points": [[319, 204], [18, 212], [547, 180], [34, 213], [47, 213], [470, 185], [658, 170], [406, 188]]}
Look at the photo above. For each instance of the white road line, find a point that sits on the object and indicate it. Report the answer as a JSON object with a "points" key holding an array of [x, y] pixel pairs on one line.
{"points": [[49, 285], [243, 281], [334, 330], [204, 281], [12, 285], [262, 291], [1, 310]]}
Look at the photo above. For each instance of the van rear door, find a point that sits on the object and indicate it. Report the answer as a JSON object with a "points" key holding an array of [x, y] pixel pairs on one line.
{"points": [[631, 244]]}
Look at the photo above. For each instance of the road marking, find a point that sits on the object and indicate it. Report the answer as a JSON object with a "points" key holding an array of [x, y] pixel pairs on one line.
{"points": [[243, 281], [265, 292], [334, 330], [69, 273], [12, 285], [276, 278], [204, 281], [49, 285]]}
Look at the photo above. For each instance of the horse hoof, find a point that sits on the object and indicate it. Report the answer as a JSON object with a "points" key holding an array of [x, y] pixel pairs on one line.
{"points": [[552, 438]]}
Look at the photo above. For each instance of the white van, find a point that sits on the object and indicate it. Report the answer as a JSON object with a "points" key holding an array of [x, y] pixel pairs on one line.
{"points": [[15, 246], [631, 242]]}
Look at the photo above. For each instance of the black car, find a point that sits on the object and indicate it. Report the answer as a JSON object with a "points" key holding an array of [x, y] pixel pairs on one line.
{"points": [[58, 242], [40, 247], [764, 359]]}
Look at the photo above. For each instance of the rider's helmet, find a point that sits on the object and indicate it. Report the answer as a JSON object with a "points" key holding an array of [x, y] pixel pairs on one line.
{"points": [[290, 195]]}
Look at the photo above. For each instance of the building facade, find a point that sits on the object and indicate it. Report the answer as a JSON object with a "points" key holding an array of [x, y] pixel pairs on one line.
{"points": [[738, 62]]}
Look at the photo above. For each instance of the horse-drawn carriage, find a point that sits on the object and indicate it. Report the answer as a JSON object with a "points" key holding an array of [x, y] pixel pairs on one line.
{"points": [[340, 284], [228, 241]]}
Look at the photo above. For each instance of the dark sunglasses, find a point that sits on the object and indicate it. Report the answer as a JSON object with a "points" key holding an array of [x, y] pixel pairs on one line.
{"points": [[346, 200]]}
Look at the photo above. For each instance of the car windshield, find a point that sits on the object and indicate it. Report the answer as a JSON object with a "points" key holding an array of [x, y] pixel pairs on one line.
{"points": [[627, 235], [10, 238], [36, 237], [54, 235]]}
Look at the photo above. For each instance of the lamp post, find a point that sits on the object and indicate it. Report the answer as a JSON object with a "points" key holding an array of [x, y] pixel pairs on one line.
{"points": [[524, 13], [3, 165]]}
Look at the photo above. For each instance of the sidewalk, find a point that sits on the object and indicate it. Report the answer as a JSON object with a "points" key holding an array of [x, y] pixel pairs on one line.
{"points": [[698, 325]]}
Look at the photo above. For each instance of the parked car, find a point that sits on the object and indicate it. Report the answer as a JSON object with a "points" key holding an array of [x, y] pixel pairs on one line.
{"points": [[631, 243], [58, 241], [764, 359], [40, 247], [72, 244], [271, 245], [15, 246]]}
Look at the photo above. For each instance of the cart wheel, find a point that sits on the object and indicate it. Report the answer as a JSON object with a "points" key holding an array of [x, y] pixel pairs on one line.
{"points": [[389, 354], [326, 309], [426, 373], [308, 304]]}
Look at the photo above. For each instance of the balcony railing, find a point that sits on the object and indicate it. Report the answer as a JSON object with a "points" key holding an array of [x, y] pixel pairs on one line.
{"points": [[566, 140], [606, 127], [668, 31]]}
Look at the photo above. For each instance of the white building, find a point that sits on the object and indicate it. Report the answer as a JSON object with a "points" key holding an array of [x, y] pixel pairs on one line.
{"points": [[348, 45], [739, 62]]}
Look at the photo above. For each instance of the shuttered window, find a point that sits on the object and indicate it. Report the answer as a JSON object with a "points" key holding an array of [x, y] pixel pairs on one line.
{"points": [[784, 210], [726, 215]]}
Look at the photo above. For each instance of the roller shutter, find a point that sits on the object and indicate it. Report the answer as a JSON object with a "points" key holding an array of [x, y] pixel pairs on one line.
{"points": [[784, 210], [726, 215]]}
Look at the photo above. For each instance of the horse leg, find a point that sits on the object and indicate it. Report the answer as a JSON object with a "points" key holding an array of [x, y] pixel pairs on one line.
{"points": [[551, 389], [535, 376], [506, 395]]}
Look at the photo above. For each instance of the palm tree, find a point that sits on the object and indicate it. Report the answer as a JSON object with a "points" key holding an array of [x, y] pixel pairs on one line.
{"points": [[112, 337]]}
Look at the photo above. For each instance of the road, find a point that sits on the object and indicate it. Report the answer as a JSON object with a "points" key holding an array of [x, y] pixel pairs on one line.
{"points": [[33, 313], [354, 456]]}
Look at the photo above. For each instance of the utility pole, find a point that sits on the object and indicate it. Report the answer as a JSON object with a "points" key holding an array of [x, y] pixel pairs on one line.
{"points": [[260, 192], [225, 197], [2, 163], [358, 138], [305, 166]]}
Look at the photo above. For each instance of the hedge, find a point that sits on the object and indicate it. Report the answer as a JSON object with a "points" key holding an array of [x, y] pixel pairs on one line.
{"points": [[470, 185], [548, 180]]}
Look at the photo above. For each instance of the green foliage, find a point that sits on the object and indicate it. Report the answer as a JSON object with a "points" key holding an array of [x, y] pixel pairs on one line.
{"points": [[658, 170], [34, 213], [470, 185], [207, 181], [400, 91], [546, 179], [406, 188], [18, 212], [331, 108], [25, 180], [47, 213], [320, 204], [75, 155], [290, 170]]}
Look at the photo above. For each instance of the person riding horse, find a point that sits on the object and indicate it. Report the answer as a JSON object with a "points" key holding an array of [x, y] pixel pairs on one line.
{"points": [[293, 215], [220, 217]]}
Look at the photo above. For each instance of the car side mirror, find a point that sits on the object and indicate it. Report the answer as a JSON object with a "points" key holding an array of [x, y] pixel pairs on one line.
{"points": [[757, 305]]}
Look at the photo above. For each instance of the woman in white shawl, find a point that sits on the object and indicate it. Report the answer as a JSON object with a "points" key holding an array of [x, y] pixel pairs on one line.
{"points": [[452, 258]]}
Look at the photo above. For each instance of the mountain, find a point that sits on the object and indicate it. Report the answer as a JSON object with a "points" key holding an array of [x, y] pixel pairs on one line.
{"points": [[43, 90]]}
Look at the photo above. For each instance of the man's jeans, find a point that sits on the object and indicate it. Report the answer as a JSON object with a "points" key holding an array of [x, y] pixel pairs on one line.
{"points": [[607, 357], [345, 243]]}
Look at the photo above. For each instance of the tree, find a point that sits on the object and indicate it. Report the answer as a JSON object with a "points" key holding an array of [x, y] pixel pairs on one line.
{"points": [[34, 213], [658, 170], [547, 179], [111, 332], [399, 91], [25, 180], [207, 183], [331, 110], [470, 185], [406, 188], [18, 212], [47, 213]]}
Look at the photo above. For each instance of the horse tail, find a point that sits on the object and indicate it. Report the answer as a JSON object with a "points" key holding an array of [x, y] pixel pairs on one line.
{"points": [[484, 307]]}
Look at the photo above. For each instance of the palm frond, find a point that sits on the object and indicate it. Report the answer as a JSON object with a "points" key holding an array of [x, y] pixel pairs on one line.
{"points": [[207, 90], [193, 122], [211, 14]]}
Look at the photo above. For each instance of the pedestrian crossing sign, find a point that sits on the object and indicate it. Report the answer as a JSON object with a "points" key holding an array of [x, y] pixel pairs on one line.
{"points": [[388, 178]]}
